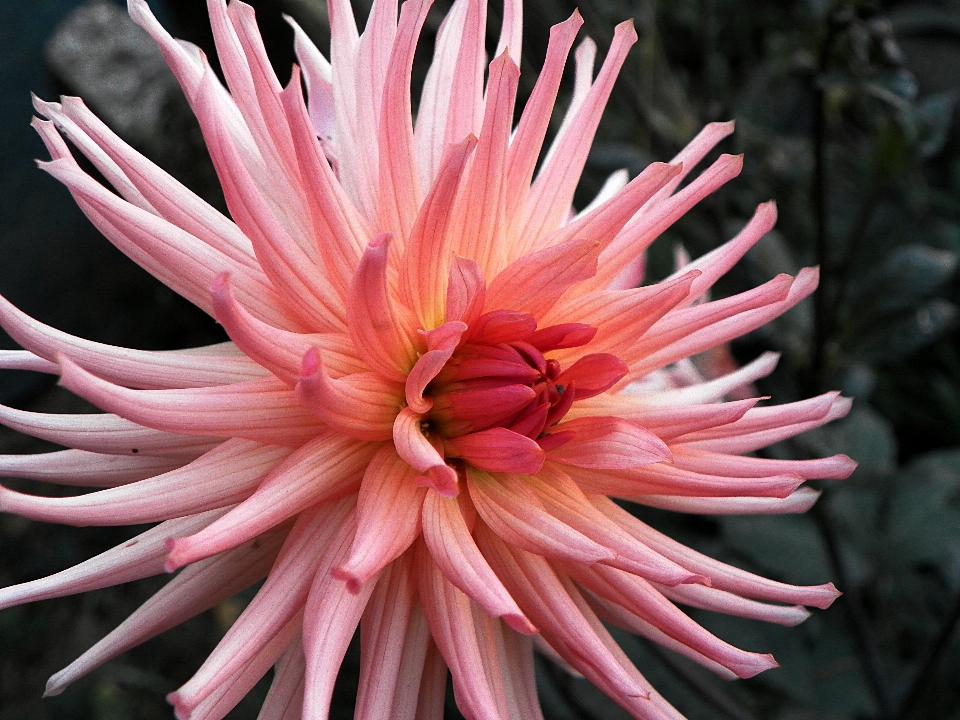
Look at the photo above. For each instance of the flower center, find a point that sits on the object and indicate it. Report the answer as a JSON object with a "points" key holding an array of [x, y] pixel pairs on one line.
{"points": [[500, 377]]}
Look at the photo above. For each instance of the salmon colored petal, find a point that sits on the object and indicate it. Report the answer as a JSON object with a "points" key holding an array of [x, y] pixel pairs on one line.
{"points": [[561, 497], [552, 192], [87, 469], [417, 451], [324, 469], [226, 475], [466, 291], [384, 340], [511, 509], [722, 576], [196, 589], [278, 602], [284, 701], [565, 621], [279, 351], [479, 219], [388, 518], [441, 341], [260, 410], [427, 262], [399, 186], [532, 129], [799, 501], [361, 405], [330, 619], [608, 443], [641, 598], [452, 548], [141, 556], [454, 626], [499, 450], [105, 433]]}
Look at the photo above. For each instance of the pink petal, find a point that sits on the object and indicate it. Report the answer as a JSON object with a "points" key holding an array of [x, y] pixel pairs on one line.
{"points": [[638, 596], [513, 512], [426, 262], [289, 264], [284, 701], [645, 227], [669, 479], [724, 330], [665, 421], [609, 443], [382, 338], [226, 475], [277, 603], [722, 576], [417, 451], [104, 433], [708, 598], [455, 627], [479, 222], [232, 689], [399, 187], [388, 518], [499, 450], [799, 501], [593, 374], [713, 390], [338, 228], [141, 556], [441, 341], [566, 622], [838, 467], [552, 192], [532, 128], [87, 469], [561, 497], [192, 591], [362, 405], [453, 549], [324, 469], [261, 410], [394, 642], [622, 317], [331, 616], [137, 368], [466, 291], [279, 351]]}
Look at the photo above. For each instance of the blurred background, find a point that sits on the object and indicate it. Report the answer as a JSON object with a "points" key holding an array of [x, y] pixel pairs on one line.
{"points": [[846, 113]]}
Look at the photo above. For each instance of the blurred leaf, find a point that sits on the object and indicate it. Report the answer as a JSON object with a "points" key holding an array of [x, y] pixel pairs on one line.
{"points": [[934, 115], [787, 546]]}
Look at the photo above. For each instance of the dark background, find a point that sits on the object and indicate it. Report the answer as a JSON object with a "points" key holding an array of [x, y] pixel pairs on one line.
{"points": [[846, 113]]}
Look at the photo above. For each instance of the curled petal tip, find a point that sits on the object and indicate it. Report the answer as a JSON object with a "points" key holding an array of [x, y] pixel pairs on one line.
{"points": [[441, 478], [353, 581]]}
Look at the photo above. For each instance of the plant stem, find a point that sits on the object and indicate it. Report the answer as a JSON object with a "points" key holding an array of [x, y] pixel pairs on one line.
{"points": [[851, 600], [934, 655], [705, 690]]}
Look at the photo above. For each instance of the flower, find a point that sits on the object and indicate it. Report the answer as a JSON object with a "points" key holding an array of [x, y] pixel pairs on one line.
{"points": [[438, 379]]}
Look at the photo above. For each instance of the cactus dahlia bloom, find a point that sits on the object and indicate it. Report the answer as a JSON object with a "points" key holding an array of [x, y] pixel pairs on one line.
{"points": [[439, 376]]}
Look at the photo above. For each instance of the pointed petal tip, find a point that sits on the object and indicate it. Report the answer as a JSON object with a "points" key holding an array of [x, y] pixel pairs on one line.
{"points": [[845, 466], [520, 623], [760, 663], [55, 685]]}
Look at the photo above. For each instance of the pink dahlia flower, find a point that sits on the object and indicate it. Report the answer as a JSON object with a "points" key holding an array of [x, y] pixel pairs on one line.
{"points": [[439, 376]]}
